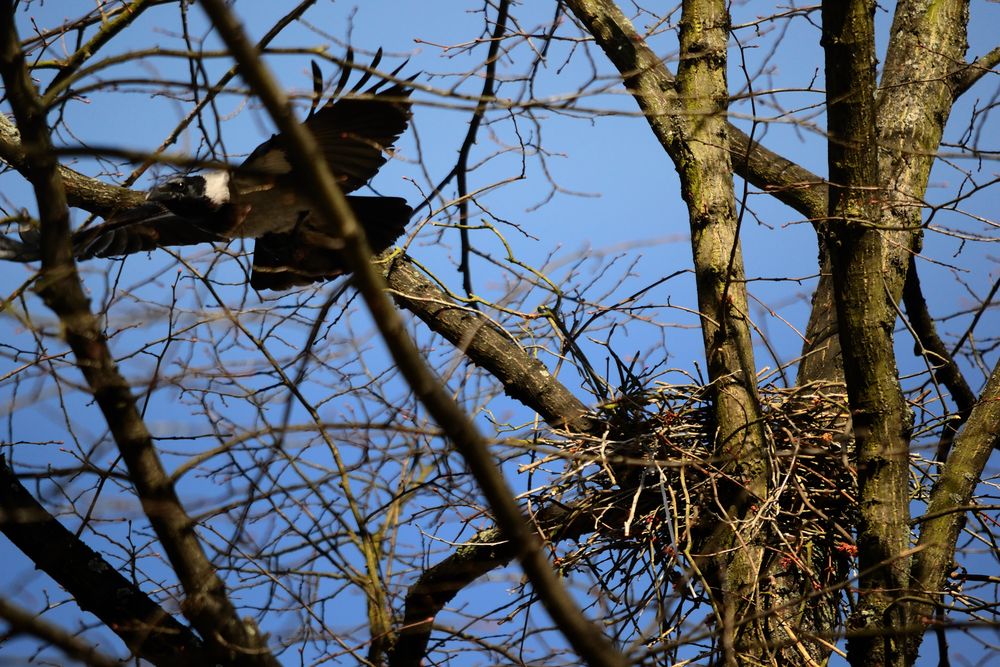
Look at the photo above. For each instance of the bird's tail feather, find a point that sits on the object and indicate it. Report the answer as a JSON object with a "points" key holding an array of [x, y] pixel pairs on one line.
{"points": [[306, 255]]}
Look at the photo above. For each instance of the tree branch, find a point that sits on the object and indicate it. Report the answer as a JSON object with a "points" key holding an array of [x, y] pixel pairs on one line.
{"points": [[786, 181], [968, 75], [23, 622], [82, 191], [524, 377], [96, 586], [105, 34], [954, 489], [206, 604], [931, 347], [461, 169], [315, 175]]}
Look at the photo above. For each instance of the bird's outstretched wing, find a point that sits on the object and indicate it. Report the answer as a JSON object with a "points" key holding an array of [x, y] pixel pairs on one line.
{"points": [[144, 227], [353, 130], [306, 255]]}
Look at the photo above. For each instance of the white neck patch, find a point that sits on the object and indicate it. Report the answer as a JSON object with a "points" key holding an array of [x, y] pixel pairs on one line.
{"points": [[217, 187]]}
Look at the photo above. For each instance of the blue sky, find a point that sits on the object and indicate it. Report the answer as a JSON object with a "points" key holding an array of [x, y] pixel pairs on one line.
{"points": [[598, 206]]}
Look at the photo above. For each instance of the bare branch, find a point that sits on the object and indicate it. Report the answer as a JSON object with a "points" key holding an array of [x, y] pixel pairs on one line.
{"points": [[145, 627], [207, 606], [953, 491], [304, 154], [524, 377], [24, 622]]}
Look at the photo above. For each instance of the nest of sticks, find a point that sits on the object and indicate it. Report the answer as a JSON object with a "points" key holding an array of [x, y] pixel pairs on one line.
{"points": [[656, 474]]}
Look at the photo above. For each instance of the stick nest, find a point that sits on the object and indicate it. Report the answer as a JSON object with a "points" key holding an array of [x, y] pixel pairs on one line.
{"points": [[655, 475]]}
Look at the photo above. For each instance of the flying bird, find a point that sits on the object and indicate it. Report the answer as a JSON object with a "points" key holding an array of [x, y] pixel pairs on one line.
{"points": [[293, 245]]}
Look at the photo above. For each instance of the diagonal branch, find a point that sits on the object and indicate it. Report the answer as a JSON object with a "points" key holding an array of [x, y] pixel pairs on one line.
{"points": [[524, 377], [206, 604], [97, 587], [315, 176], [930, 345], [105, 34], [20, 621], [82, 191], [953, 490], [487, 551], [786, 181], [968, 75]]}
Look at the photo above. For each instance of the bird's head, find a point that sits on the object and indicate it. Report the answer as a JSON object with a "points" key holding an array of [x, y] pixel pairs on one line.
{"points": [[193, 196]]}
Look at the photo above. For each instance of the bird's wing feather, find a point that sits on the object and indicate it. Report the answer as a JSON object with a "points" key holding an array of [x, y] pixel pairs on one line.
{"points": [[139, 228], [131, 230], [353, 133]]}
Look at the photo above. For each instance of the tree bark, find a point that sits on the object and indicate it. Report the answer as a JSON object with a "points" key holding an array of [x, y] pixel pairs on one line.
{"points": [[866, 314], [96, 586], [207, 606]]}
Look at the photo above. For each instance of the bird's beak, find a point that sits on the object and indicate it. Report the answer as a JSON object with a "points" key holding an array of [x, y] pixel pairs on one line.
{"points": [[156, 193], [174, 189]]}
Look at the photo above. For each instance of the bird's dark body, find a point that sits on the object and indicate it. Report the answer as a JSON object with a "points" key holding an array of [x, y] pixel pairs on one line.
{"points": [[260, 199]]}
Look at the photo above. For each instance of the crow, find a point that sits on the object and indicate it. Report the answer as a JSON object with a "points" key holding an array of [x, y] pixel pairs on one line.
{"points": [[293, 245]]}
